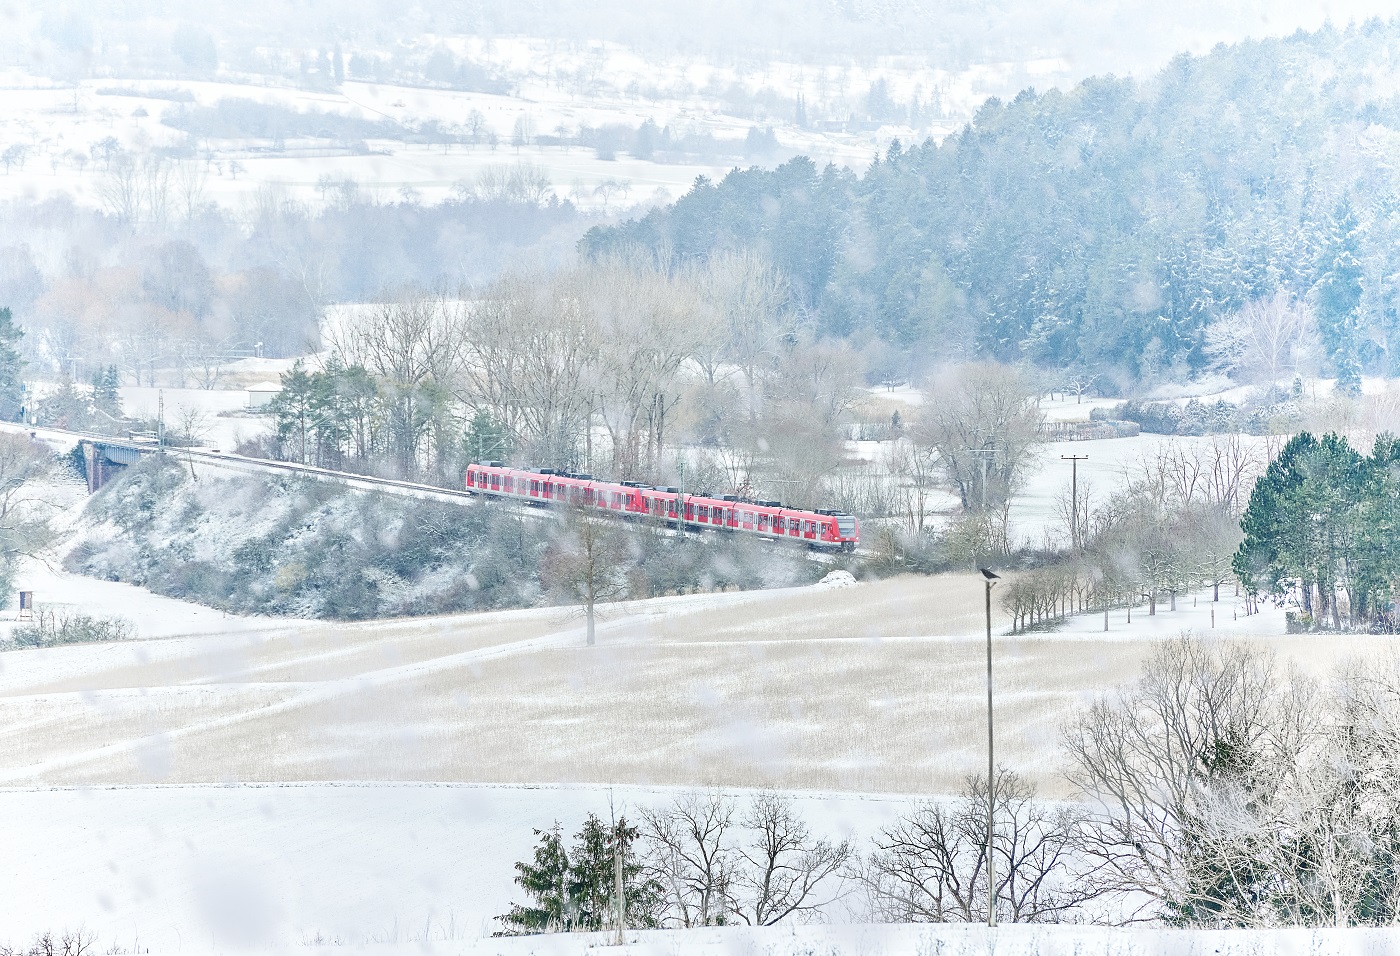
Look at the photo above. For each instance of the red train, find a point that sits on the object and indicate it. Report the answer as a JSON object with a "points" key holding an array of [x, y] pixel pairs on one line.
{"points": [[765, 519]]}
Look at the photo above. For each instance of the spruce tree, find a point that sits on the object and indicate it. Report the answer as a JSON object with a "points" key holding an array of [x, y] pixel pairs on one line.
{"points": [[548, 880], [11, 368], [1337, 293]]}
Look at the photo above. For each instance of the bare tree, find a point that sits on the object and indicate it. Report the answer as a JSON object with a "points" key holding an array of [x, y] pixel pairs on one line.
{"points": [[586, 562], [189, 186], [646, 319], [1203, 726], [983, 422], [919, 467], [414, 346], [931, 865], [26, 516], [1268, 340], [785, 871], [691, 855], [531, 360]]}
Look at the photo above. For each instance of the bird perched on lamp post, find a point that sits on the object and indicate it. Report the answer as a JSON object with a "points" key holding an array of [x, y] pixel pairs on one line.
{"points": [[990, 578]]}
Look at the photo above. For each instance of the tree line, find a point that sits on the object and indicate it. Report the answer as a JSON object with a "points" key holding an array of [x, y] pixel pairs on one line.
{"points": [[169, 287], [1121, 227], [1220, 789], [613, 367]]}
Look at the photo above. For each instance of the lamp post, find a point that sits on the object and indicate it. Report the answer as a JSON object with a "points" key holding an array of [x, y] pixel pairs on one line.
{"points": [[990, 578]]}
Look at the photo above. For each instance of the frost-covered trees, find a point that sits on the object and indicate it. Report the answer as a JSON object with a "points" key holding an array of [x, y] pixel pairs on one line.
{"points": [[1337, 293], [1226, 790], [1269, 340], [11, 368], [26, 528]]}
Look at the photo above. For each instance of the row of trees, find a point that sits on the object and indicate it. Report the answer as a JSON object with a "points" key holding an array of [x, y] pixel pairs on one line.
{"points": [[606, 367], [698, 862], [1323, 527], [1173, 525], [165, 284], [1218, 790]]}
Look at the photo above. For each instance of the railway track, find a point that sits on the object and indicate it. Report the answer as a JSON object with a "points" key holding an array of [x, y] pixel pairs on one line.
{"points": [[198, 458]]}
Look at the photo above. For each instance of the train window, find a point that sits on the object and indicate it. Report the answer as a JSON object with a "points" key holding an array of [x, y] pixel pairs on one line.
{"points": [[762, 522], [495, 482], [704, 512], [748, 520], [534, 487]]}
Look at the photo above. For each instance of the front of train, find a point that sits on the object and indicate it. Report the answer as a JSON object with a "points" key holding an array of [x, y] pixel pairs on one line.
{"points": [[847, 531]]}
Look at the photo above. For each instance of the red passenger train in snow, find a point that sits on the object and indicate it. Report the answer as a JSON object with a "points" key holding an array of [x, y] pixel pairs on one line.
{"points": [[765, 519]]}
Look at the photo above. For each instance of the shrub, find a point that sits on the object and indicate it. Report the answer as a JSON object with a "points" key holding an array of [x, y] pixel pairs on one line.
{"points": [[52, 628]]}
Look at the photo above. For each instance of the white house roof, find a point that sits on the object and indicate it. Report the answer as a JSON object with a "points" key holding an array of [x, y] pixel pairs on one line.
{"points": [[265, 387]]}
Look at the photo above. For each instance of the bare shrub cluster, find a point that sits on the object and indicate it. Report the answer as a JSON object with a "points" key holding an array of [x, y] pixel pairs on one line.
{"points": [[53, 628]]}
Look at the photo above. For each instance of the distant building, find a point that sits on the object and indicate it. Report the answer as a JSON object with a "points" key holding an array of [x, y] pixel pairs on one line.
{"points": [[262, 393]]}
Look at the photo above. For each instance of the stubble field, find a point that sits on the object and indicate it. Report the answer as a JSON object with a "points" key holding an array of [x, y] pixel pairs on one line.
{"points": [[877, 687]]}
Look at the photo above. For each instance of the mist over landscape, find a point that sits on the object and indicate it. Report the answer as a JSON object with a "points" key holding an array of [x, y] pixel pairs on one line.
{"points": [[842, 477]]}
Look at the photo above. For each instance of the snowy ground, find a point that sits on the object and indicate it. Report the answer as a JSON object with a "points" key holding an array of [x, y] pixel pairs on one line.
{"points": [[228, 783], [210, 866], [59, 124]]}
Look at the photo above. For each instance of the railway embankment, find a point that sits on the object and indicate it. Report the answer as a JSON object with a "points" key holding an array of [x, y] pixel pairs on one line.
{"points": [[289, 545]]}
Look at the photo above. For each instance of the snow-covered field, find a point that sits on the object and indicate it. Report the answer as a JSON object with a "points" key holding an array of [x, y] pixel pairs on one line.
{"points": [[420, 868], [226, 783], [59, 124]]}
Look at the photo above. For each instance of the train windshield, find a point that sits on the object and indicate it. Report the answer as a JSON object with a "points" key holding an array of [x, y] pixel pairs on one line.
{"points": [[846, 525]]}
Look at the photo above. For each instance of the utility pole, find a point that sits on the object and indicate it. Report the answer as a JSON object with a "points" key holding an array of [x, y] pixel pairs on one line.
{"points": [[160, 420], [680, 498], [618, 884], [1074, 461], [991, 578], [986, 456]]}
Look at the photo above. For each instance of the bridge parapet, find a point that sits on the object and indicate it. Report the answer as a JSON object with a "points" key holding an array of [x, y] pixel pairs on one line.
{"points": [[104, 461]]}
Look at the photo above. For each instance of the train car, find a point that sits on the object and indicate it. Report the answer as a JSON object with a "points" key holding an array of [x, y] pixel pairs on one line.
{"points": [[830, 530]]}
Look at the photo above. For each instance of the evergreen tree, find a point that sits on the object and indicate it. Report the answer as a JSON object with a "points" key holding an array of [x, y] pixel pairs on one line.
{"points": [[576, 891], [105, 396], [486, 439], [1322, 521], [1337, 293], [11, 368], [294, 411], [548, 879]]}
